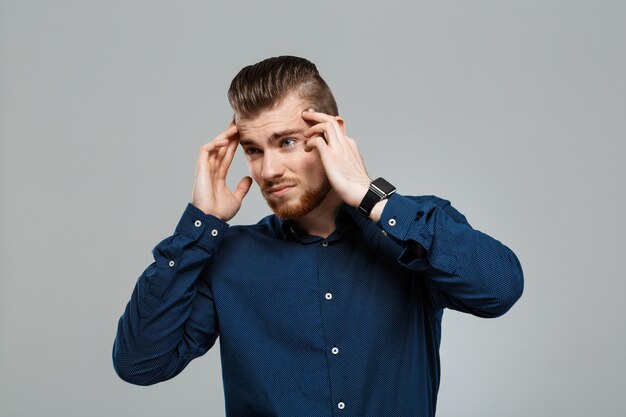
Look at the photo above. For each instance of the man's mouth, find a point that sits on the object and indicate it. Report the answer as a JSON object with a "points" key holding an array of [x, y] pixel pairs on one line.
{"points": [[279, 190]]}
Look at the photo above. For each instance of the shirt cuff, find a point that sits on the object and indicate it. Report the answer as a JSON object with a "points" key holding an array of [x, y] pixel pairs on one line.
{"points": [[206, 229], [405, 219]]}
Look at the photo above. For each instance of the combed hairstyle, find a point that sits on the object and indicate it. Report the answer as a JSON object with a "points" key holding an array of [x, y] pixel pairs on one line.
{"points": [[263, 85]]}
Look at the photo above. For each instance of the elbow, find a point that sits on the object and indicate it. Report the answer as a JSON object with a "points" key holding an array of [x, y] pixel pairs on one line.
{"points": [[507, 300], [130, 369], [509, 292], [126, 374], [516, 283]]}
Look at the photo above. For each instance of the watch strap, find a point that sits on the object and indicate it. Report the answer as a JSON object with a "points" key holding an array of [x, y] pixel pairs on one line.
{"points": [[379, 190]]}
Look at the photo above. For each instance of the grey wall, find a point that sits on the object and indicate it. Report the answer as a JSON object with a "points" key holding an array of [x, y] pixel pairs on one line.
{"points": [[513, 110]]}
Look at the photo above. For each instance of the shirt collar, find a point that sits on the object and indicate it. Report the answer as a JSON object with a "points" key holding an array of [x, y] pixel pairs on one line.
{"points": [[346, 218]]}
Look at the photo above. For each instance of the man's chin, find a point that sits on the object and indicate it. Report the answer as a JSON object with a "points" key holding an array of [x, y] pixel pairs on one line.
{"points": [[294, 209], [297, 206], [286, 211]]}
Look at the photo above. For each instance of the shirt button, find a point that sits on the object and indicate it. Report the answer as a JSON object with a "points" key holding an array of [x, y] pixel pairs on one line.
{"points": [[197, 223], [324, 243], [335, 350], [341, 405], [214, 232], [171, 263], [392, 222], [328, 296]]}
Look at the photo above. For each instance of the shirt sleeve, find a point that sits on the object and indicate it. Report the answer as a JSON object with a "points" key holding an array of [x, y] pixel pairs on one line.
{"points": [[467, 270], [170, 318]]}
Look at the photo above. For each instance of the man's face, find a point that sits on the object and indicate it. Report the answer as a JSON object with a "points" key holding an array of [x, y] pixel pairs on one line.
{"points": [[292, 180]]}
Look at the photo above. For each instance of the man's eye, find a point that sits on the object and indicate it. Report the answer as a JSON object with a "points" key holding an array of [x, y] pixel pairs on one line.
{"points": [[251, 151], [288, 142]]}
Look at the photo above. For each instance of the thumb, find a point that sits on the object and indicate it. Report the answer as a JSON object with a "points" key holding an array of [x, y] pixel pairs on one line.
{"points": [[242, 188]]}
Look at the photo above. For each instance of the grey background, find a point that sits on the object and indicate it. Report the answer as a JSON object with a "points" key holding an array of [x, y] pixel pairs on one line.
{"points": [[513, 110]]}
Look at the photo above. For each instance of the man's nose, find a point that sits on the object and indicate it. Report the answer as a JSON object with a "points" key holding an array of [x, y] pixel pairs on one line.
{"points": [[272, 166]]}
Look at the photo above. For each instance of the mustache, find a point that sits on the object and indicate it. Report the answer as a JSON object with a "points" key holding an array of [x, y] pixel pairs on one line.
{"points": [[269, 185]]}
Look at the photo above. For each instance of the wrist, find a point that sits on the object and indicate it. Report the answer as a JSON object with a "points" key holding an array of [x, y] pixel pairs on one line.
{"points": [[360, 194], [377, 211], [209, 211], [379, 190]]}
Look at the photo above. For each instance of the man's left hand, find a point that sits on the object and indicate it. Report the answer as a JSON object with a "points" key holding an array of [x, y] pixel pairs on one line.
{"points": [[340, 156]]}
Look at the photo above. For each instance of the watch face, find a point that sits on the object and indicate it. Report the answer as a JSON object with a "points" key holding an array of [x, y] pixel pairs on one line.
{"points": [[383, 186]]}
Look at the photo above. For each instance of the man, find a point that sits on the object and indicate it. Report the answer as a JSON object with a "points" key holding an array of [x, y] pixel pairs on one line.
{"points": [[330, 307]]}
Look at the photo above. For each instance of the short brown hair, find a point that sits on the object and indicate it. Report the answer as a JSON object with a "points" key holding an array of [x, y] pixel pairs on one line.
{"points": [[262, 85]]}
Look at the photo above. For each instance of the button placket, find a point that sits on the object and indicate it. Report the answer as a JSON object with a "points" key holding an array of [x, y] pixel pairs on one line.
{"points": [[327, 280]]}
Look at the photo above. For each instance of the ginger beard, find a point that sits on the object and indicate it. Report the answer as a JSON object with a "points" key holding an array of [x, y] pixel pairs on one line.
{"points": [[286, 209]]}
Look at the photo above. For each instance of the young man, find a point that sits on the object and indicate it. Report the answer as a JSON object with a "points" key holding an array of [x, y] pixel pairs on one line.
{"points": [[330, 307]]}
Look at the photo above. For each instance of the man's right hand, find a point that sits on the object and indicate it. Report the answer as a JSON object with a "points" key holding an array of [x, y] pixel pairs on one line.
{"points": [[210, 193]]}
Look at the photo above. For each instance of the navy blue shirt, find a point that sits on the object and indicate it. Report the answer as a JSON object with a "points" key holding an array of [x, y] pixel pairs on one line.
{"points": [[349, 325]]}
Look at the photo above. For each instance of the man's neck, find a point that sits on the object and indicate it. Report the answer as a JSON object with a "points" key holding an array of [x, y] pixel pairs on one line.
{"points": [[321, 220]]}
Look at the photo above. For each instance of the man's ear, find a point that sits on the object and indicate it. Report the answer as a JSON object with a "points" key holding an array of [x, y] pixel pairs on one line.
{"points": [[341, 123]]}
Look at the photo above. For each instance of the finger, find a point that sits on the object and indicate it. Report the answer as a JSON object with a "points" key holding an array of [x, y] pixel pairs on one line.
{"points": [[318, 143], [224, 164], [242, 188], [215, 143], [311, 114], [230, 132], [206, 150], [324, 129], [331, 125], [316, 128], [213, 158], [219, 157]]}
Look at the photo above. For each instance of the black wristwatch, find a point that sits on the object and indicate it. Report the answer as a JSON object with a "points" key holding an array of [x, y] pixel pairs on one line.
{"points": [[378, 191]]}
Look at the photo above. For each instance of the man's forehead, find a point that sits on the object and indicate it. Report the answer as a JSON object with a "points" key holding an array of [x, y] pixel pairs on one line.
{"points": [[285, 116], [268, 118]]}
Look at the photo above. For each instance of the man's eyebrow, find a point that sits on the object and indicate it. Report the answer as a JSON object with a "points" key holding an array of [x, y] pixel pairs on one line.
{"points": [[275, 136], [245, 142], [283, 133]]}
